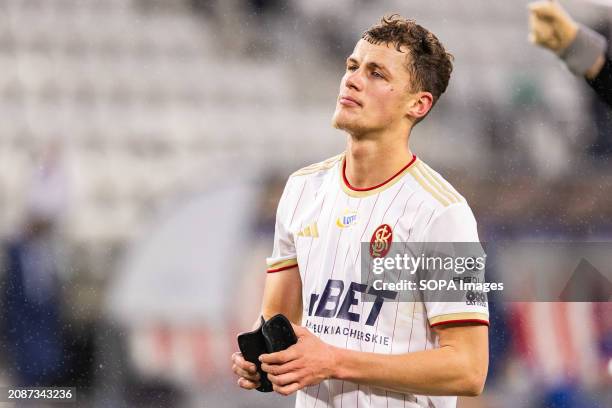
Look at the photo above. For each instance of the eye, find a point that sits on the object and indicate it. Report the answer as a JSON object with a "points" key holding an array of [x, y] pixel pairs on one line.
{"points": [[351, 68], [377, 74]]}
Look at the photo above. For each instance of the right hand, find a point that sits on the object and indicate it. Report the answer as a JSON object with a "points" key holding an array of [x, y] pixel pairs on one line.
{"points": [[551, 26], [248, 377]]}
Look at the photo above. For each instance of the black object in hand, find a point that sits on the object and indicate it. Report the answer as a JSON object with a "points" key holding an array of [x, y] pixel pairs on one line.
{"points": [[278, 333], [274, 335]]}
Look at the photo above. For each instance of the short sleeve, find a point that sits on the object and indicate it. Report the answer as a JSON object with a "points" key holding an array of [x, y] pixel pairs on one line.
{"points": [[283, 253], [456, 223]]}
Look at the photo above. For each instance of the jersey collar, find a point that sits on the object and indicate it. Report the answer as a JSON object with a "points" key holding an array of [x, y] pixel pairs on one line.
{"points": [[367, 191]]}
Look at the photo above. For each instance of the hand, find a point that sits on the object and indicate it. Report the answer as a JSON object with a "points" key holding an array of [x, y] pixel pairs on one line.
{"points": [[246, 371], [308, 362], [550, 25]]}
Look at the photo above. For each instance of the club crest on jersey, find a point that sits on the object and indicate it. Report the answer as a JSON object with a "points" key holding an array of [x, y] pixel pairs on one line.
{"points": [[380, 243], [348, 218]]}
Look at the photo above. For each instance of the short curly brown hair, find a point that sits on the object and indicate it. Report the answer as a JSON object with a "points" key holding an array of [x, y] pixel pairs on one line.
{"points": [[429, 65]]}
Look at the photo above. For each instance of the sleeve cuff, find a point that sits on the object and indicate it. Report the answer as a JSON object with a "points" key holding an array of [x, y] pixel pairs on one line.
{"points": [[466, 317], [281, 265], [584, 50]]}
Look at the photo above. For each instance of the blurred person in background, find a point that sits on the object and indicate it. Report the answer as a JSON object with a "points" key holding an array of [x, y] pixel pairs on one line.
{"points": [[377, 191], [585, 52], [32, 288], [567, 353]]}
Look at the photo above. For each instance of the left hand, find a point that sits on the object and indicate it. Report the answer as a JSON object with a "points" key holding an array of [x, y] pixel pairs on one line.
{"points": [[551, 26], [308, 362]]}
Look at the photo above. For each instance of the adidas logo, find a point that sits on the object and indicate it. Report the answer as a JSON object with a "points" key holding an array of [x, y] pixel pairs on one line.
{"points": [[310, 230]]}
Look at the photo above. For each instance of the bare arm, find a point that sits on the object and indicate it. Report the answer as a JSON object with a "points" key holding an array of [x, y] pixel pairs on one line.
{"points": [[283, 294], [602, 81], [595, 69], [457, 367]]}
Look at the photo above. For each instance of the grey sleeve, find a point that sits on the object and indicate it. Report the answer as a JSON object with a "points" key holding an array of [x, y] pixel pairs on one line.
{"points": [[584, 50]]}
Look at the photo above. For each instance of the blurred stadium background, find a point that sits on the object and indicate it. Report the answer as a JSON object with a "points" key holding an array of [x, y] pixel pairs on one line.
{"points": [[144, 145]]}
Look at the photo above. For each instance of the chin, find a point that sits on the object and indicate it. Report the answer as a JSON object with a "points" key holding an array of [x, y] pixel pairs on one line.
{"points": [[352, 127], [342, 122]]}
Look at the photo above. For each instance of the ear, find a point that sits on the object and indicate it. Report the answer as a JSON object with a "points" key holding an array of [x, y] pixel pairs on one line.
{"points": [[420, 104]]}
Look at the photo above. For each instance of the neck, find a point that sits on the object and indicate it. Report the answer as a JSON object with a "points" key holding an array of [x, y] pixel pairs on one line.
{"points": [[373, 160]]}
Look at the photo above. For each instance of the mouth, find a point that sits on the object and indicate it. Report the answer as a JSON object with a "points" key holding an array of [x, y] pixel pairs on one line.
{"points": [[348, 101]]}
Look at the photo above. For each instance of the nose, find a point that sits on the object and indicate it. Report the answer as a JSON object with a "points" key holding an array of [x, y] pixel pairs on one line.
{"points": [[354, 80]]}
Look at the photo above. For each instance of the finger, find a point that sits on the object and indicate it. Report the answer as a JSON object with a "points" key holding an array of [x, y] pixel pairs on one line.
{"points": [[279, 357], [543, 33], [538, 35], [284, 379], [245, 374], [287, 389], [544, 9], [300, 330], [277, 369], [239, 360], [247, 385]]}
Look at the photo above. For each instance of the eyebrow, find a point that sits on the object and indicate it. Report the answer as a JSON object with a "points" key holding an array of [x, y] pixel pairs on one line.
{"points": [[371, 65]]}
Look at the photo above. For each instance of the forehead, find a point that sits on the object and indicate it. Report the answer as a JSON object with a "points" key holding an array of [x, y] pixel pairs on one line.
{"points": [[382, 54]]}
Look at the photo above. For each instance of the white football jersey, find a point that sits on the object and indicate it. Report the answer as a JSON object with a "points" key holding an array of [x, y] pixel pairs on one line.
{"points": [[321, 222]]}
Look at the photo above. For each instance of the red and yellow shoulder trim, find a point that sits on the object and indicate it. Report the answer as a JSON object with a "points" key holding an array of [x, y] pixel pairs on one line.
{"points": [[464, 317], [282, 265]]}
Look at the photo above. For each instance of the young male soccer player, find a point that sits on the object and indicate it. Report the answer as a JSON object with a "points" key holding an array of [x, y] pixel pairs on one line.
{"points": [[372, 354]]}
